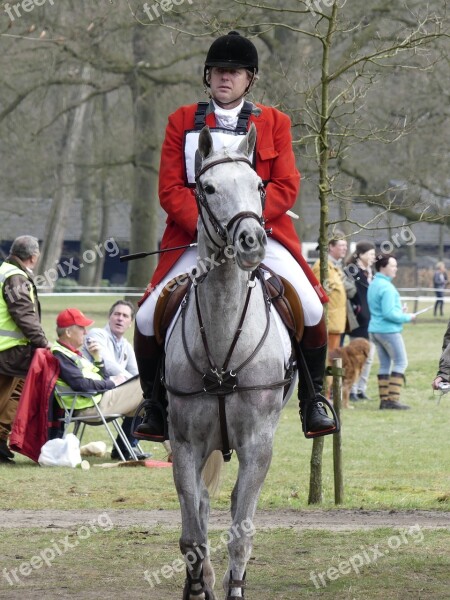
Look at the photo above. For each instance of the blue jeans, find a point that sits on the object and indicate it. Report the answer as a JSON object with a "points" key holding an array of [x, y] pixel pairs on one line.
{"points": [[391, 352]]}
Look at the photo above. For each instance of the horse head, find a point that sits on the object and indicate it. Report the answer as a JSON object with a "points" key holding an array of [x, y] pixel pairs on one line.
{"points": [[230, 197]]}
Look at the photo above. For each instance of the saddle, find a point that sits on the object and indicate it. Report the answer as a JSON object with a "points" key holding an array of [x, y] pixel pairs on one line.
{"points": [[281, 293], [168, 304], [287, 303]]}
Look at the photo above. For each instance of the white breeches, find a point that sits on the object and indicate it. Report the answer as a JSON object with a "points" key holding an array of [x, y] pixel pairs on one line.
{"points": [[278, 258]]}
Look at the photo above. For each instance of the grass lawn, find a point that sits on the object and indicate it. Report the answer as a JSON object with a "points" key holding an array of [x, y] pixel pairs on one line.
{"points": [[390, 459], [285, 565]]}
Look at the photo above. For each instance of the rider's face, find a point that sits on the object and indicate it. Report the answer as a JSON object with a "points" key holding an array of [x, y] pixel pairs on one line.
{"points": [[228, 85]]}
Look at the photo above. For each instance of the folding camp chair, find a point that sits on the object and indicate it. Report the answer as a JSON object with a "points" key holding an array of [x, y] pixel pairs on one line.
{"points": [[94, 420]]}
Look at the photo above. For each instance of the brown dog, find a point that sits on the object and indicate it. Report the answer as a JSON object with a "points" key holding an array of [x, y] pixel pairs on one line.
{"points": [[353, 358]]}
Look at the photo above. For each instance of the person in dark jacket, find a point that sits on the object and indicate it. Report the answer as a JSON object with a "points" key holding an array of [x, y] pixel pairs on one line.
{"points": [[359, 267], [440, 281], [443, 374], [81, 375], [20, 330]]}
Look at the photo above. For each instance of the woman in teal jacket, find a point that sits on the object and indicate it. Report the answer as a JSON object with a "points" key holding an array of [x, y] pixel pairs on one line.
{"points": [[385, 327]]}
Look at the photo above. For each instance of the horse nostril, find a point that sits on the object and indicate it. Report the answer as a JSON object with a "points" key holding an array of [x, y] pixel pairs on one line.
{"points": [[252, 241], [247, 241], [262, 238]]}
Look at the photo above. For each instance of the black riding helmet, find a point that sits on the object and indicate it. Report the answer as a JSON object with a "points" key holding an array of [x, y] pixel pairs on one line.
{"points": [[233, 51]]}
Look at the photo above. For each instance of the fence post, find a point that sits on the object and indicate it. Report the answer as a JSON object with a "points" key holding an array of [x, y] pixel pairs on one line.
{"points": [[336, 371], [315, 476], [416, 301]]}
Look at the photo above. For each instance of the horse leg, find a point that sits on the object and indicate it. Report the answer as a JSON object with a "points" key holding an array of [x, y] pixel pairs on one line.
{"points": [[254, 462], [194, 504]]}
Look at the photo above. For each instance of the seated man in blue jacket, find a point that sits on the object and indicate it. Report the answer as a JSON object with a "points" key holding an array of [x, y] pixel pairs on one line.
{"points": [[81, 375]]}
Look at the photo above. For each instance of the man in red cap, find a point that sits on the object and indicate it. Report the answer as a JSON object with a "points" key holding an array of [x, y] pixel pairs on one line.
{"points": [[81, 375]]}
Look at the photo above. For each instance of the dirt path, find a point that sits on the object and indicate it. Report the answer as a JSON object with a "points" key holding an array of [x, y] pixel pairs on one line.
{"points": [[333, 520]]}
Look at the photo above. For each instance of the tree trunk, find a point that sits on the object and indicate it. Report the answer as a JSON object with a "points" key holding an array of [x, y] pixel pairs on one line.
{"points": [[315, 483], [90, 232], [144, 211], [105, 207], [65, 194]]}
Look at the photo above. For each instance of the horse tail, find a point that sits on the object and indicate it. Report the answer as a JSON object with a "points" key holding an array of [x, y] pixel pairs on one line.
{"points": [[212, 470]]}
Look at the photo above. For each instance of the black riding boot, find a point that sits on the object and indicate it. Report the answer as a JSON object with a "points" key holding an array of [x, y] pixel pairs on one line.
{"points": [[313, 414], [148, 356]]}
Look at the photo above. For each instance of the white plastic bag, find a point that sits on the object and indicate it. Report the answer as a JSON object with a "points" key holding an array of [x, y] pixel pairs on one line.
{"points": [[59, 452]]}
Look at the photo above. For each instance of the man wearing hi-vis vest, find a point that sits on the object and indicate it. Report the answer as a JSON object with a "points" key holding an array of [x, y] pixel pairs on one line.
{"points": [[20, 330], [81, 375]]}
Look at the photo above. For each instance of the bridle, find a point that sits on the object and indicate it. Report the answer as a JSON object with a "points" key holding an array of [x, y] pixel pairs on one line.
{"points": [[219, 380], [202, 203]]}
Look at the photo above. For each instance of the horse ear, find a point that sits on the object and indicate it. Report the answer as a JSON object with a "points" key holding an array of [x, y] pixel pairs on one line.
{"points": [[205, 142], [247, 145]]}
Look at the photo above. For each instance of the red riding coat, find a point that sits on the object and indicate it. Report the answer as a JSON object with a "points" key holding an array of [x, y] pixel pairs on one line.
{"points": [[275, 164], [30, 428]]}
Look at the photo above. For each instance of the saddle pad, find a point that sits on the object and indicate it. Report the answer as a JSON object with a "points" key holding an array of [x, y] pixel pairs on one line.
{"points": [[157, 464]]}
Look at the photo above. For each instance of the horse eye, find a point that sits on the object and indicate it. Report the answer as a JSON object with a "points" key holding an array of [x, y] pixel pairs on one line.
{"points": [[209, 189]]}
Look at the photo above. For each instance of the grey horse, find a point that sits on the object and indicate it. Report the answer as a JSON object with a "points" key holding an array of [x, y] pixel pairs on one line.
{"points": [[224, 366]]}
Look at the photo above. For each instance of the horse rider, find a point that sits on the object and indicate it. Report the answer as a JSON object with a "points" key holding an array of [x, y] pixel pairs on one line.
{"points": [[230, 70]]}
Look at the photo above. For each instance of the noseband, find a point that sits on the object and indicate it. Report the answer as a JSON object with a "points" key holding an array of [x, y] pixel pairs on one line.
{"points": [[224, 231]]}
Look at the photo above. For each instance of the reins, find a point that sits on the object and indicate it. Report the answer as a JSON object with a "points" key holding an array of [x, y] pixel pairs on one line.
{"points": [[222, 381], [217, 381]]}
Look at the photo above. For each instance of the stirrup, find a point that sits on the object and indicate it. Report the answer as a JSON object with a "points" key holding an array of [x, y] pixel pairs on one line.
{"points": [[149, 437], [313, 434]]}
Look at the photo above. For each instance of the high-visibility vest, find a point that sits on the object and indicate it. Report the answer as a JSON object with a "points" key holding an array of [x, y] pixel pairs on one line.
{"points": [[10, 334], [88, 370]]}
